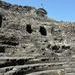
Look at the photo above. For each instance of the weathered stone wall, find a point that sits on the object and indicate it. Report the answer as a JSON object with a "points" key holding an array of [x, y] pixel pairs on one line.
{"points": [[31, 44]]}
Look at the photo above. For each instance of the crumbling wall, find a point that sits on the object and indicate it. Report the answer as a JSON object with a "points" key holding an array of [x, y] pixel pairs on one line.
{"points": [[32, 45]]}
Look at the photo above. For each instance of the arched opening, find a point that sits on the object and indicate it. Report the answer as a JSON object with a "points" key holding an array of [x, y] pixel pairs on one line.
{"points": [[28, 28], [43, 31], [0, 20]]}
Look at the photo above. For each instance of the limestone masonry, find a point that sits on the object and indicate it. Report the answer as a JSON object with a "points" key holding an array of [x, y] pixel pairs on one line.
{"points": [[33, 44]]}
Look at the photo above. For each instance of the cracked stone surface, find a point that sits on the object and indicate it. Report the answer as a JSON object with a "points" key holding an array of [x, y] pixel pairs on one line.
{"points": [[33, 44]]}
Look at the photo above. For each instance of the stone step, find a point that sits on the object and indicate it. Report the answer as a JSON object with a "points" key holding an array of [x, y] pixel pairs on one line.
{"points": [[62, 59], [48, 72], [66, 65], [5, 69], [5, 58], [1, 73], [3, 54], [30, 60], [13, 61], [69, 65], [10, 72], [73, 58], [72, 64], [70, 70], [36, 67], [70, 74]]}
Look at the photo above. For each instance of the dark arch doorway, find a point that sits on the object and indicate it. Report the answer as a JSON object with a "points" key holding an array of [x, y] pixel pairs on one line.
{"points": [[43, 31], [28, 28]]}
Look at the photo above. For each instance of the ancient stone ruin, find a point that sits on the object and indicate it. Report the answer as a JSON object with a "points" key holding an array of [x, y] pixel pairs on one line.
{"points": [[33, 44]]}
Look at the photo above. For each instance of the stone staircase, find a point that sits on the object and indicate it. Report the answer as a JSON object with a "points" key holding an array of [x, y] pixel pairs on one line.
{"points": [[30, 45], [32, 66], [70, 69], [37, 66]]}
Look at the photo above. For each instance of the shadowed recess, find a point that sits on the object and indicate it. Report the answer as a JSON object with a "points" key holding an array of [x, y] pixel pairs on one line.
{"points": [[43, 31], [28, 28]]}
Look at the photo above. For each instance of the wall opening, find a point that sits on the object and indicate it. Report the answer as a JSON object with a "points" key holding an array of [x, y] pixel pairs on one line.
{"points": [[28, 28], [0, 20], [43, 31]]}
